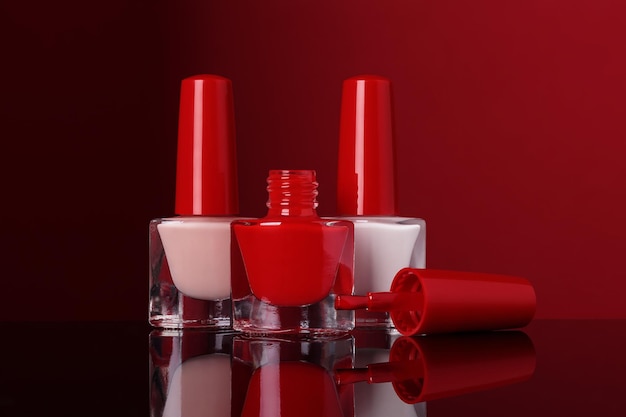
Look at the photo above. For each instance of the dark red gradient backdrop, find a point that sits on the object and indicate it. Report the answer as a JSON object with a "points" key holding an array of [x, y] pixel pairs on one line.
{"points": [[509, 119]]}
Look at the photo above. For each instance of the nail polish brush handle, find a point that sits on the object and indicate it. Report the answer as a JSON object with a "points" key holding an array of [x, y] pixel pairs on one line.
{"points": [[380, 301], [424, 301]]}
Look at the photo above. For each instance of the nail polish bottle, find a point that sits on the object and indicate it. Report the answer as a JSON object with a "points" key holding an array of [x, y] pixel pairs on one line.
{"points": [[366, 195], [190, 253], [288, 267]]}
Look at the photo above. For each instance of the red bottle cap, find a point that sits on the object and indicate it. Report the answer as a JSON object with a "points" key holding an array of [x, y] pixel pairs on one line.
{"points": [[434, 367], [365, 177], [424, 301], [206, 177]]}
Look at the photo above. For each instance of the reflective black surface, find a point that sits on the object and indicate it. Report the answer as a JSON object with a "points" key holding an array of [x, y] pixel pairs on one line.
{"points": [[570, 368]]}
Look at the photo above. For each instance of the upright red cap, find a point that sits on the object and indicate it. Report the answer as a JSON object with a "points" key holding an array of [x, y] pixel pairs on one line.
{"points": [[365, 175], [206, 177]]}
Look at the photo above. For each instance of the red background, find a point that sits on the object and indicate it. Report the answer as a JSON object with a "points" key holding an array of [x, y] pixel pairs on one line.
{"points": [[509, 121]]}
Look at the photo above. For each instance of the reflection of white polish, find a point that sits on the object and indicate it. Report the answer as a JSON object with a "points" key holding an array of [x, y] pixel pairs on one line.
{"points": [[366, 192], [200, 387], [380, 400], [190, 254], [420, 409], [198, 255]]}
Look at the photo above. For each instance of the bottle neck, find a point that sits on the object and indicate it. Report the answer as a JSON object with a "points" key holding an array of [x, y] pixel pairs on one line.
{"points": [[292, 193]]}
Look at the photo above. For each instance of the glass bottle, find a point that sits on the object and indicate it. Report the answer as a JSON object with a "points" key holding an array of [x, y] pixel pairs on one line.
{"points": [[288, 266], [366, 194], [190, 253]]}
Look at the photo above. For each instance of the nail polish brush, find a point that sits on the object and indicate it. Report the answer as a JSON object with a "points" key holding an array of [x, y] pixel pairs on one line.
{"points": [[425, 301]]}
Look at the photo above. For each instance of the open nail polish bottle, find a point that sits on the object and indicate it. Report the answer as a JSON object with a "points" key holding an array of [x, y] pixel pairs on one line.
{"points": [[190, 253], [288, 267], [366, 194]]}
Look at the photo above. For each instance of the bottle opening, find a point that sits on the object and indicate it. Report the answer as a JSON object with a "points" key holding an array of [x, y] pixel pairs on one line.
{"points": [[292, 192]]}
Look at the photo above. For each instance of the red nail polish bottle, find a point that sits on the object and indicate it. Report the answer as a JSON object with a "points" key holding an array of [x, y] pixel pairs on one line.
{"points": [[366, 194], [288, 267]]}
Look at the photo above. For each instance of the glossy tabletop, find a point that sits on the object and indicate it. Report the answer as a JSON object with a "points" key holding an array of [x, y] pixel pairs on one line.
{"points": [[550, 368]]}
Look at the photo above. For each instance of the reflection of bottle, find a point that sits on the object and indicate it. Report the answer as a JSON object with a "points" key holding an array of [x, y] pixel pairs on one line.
{"points": [[190, 373], [434, 367], [189, 254], [384, 242], [288, 267], [292, 377]]}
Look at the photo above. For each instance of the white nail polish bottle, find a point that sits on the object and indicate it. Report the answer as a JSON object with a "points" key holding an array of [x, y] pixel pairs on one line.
{"points": [[384, 242], [190, 253]]}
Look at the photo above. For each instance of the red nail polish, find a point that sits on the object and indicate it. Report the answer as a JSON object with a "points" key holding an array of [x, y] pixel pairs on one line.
{"points": [[288, 267], [424, 301], [366, 192]]}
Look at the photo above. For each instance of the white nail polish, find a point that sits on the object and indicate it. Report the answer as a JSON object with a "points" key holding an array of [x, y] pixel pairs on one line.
{"points": [[366, 195], [190, 253]]}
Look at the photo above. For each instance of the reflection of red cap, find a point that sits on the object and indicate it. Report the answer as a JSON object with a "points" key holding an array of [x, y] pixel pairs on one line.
{"points": [[460, 364], [434, 301], [365, 176], [206, 178], [432, 367]]}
